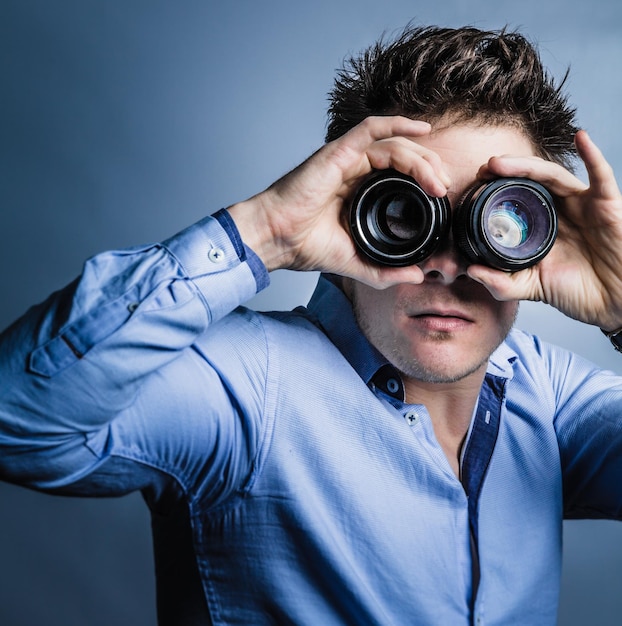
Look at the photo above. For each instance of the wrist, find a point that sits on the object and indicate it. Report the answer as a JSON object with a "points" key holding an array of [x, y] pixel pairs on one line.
{"points": [[257, 233]]}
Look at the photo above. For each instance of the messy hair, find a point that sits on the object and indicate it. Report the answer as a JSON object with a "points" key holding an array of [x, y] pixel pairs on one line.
{"points": [[465, 74]]}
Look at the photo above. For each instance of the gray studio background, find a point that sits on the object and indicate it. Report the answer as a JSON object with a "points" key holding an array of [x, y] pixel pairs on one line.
{"points": [[123, 121]]}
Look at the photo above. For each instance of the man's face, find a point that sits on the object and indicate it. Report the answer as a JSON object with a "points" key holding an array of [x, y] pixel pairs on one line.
{"points": [[445, 329]]}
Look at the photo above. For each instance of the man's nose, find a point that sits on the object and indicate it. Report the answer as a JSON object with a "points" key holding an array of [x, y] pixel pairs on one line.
{"points": [[446, 264]]}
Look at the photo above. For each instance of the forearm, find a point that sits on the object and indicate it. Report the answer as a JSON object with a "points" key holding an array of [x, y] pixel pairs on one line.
{"points": [[72, 364]]}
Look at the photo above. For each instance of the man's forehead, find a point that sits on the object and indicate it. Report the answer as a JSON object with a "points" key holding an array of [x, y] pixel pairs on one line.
{"points": [[472, 138]]}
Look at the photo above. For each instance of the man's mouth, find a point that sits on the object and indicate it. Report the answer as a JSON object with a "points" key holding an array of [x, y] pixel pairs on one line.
{"points": [[434, 312], [443, 320]]}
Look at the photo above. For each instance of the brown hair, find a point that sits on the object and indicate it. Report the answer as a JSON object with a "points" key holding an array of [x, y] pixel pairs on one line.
{"points": [[466, 74]]}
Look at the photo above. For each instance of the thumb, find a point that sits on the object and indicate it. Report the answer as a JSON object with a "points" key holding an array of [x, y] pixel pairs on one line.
{"points": [[503, 286]]}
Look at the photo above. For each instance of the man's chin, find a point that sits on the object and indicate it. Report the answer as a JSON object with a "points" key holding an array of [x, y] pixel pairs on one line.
{"points": [[442, 369]]}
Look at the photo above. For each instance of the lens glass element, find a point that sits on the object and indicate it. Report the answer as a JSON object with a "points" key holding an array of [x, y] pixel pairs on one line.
{"points": [[507, 225], [398, 216], [518, 223]]}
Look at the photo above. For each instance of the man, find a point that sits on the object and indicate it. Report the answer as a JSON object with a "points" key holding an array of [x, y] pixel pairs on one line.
{"points": [[392, 454]]}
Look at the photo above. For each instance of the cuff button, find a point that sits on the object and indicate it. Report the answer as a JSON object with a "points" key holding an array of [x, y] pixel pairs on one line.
{"points": [[216, 255]]}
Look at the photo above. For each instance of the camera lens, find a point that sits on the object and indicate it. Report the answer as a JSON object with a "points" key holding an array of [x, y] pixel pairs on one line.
{"points": [[509, 223], [394, 222]]}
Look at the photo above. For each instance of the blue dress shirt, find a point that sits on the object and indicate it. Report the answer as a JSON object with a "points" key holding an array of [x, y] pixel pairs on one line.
{"points": [[288, 480]]}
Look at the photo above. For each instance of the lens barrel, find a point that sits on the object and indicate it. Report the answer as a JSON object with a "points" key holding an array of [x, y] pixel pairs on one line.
{"points": [[394, 222], [508, 223]]}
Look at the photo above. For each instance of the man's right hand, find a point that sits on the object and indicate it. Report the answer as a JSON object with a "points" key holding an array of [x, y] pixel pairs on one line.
{"points": [[299, 222]]}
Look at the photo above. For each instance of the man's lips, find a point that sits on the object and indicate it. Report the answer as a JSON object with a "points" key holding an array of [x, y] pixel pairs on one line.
{"points": [[443, 320], [443, 312]]}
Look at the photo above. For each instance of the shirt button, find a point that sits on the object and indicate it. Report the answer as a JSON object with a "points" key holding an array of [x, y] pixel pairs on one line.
{"points": [[412, 417], [392, 385], [216, 255]]}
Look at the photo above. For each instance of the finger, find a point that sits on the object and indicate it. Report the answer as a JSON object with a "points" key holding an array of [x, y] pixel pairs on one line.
{"points": [[408, 157], [348, 152], [602, 179], [396, 126], [503, 286], [384, 277], [553, 176], [379, 127]]}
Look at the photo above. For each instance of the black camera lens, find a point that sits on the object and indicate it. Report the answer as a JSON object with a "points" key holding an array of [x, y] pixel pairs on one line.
{"points": [[394, 222], [509, 224]]}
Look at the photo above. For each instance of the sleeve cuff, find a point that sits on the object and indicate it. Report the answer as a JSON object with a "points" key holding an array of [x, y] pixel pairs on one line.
{"points": [[262, 278], [214, 258]]}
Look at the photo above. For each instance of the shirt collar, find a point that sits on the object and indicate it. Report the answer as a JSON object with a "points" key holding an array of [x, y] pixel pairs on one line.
{"points": [[501, 362], [333, 312]]}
